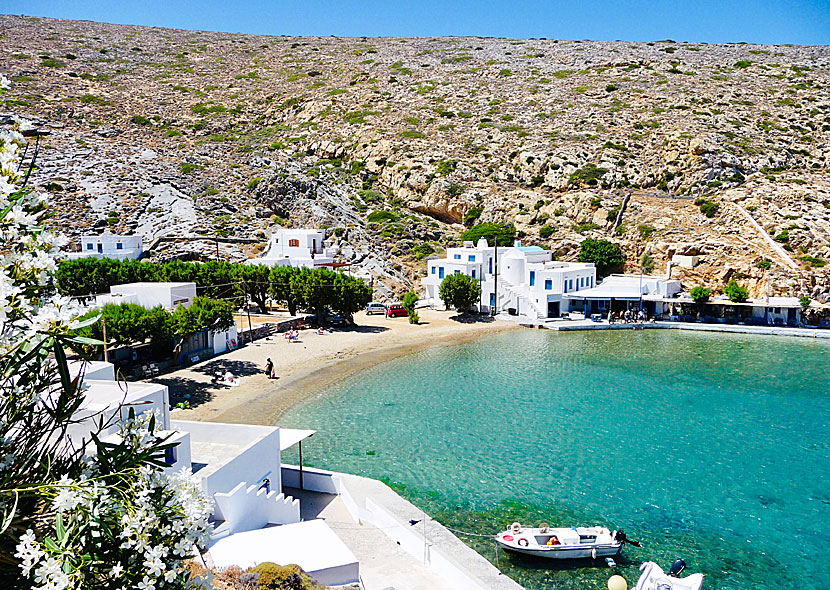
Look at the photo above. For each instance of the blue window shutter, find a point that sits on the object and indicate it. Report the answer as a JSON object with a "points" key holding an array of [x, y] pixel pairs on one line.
{"points": [[548, 285], [532, 278]]}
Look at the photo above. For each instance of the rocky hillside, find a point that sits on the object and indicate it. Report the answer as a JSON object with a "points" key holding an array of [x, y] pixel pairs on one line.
{"points": [[665, 147]]}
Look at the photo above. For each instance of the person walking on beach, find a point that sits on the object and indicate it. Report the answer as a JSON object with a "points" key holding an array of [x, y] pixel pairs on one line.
{"points": [[269, 368]]}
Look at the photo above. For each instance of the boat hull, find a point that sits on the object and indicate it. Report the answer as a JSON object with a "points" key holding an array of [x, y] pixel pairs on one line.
{"points": [[586, 552]]}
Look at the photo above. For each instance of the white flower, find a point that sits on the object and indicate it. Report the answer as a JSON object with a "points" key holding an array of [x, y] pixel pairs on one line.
{"points": [[116, 570], [4, 83], [147, 584]]}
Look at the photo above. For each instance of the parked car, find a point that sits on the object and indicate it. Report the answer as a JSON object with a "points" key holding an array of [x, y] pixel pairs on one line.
{"points": [[376, 308], [396, 311]]}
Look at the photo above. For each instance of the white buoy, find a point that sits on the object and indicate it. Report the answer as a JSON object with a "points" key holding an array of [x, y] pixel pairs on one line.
{"points": [[617, 583]]}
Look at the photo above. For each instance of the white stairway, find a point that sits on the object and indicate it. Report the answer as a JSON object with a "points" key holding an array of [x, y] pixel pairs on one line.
{"points": [[508, 293], [249, 507]]}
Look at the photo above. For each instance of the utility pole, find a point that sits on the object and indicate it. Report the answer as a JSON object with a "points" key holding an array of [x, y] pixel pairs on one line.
{"points": [[250, 327], [104, 326]]}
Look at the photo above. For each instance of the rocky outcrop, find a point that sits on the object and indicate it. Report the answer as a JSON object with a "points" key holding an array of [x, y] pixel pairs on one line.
{"points": [[199, 134]]}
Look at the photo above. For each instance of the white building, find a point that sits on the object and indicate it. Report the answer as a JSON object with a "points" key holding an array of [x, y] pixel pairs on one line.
{"points": [[525, 279], [149, 295], [169, 296], [619, 292], [296, 247], [239, 467], [110, 246]]}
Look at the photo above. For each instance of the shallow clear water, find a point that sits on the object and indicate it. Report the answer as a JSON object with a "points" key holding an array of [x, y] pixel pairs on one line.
{"points": [[710, 447]]}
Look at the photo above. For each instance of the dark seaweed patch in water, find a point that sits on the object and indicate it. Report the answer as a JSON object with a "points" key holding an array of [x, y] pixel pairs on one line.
{"points": [[727, 562]]}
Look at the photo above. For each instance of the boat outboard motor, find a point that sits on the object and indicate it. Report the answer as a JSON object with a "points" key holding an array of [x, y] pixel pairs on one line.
{"points": [[623, 538], [677, 568]]}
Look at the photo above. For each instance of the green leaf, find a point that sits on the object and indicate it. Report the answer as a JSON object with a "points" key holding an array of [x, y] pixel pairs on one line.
{"points": [[8, 516], [60, 529], [85, 340], [51, 545]]}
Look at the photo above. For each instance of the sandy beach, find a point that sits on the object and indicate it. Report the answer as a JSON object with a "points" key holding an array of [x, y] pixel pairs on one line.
{"points": [[309, 366]]}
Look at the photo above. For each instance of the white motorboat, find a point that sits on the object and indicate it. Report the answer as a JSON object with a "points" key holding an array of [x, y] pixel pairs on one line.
{"points": [[562, 543], [654, 578]]}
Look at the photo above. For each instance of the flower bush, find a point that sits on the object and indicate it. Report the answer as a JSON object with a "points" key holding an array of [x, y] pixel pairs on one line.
{"points": [[97, 513]]}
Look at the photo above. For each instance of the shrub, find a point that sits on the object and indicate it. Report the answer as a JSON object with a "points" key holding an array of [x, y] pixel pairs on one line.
{"points": [[589, 174], [472, 215], [505, 233], [140, 120], [805, 302], [736, 292], [546, 231], [378, 216], [188, 167], [646, 230], [281, 577], [707, 207], [446, 167], [604, 254], [783, 236], [413, 316], [764, 263], [412, 134], [646, 262], [701, 294], [581, 228], [744, 63], [459, 292], [252, 184], [813, 261], [422, 250]]}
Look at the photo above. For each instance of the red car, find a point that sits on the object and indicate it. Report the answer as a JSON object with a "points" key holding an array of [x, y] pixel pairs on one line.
{"points": [[396, 311]]}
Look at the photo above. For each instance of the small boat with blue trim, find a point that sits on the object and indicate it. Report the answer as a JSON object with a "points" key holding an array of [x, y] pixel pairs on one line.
{"points": [[562, 543]]}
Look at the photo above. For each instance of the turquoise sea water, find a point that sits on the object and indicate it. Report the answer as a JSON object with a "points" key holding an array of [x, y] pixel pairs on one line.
{"points": [[710, 447]]}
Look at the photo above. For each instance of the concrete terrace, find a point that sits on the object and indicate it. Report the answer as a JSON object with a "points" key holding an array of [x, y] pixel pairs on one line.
{"points": [[566, 325], [373, 521]]}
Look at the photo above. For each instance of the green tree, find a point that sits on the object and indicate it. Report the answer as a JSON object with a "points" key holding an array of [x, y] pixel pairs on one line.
{"points": [[410, 298], [505, 233], [314, 289], [460, 292], [805, 302], [736, 292], [256, 282], [281, 286], [213, 315], [605, 255], [351, 294], [701, 294]]}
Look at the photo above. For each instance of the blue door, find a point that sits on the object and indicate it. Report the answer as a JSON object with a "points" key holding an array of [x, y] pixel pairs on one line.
{"points": [[532, 278], [440, 272], [492, 300]]}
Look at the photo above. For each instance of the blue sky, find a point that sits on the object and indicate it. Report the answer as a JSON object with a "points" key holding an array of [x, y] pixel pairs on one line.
{"points": [[759, 21]]}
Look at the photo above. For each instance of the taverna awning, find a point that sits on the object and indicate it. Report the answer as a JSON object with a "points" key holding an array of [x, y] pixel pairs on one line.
{"points": [[291, 436]]}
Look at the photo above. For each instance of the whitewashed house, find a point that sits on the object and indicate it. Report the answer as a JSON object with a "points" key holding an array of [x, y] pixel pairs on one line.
{"points": [[110, 246], [169, 296], [239, 467], [297, 247], [520, 280], [149, 295]]}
